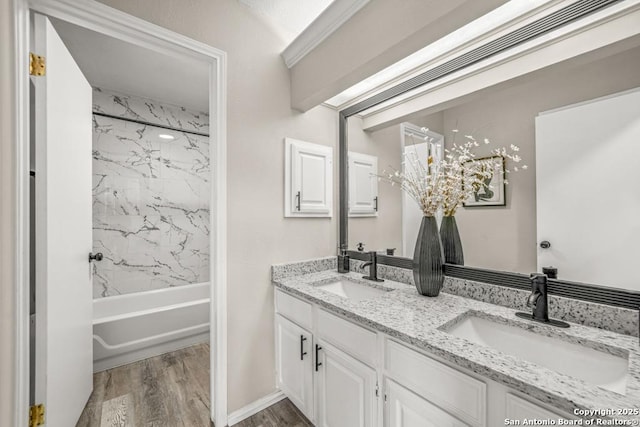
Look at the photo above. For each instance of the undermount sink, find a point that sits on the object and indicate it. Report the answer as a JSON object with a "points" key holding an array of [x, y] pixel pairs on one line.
{"points": [[352, 290], [592, 366]]}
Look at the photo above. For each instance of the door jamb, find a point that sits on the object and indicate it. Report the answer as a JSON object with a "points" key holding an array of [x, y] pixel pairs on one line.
{"points": [[112, 22]]}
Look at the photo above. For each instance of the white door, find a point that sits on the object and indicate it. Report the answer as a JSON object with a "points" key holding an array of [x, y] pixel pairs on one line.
{"points": [[294, 364], [404, 408], [363, 185], [63, 348], [587, 190], [346, 390]]}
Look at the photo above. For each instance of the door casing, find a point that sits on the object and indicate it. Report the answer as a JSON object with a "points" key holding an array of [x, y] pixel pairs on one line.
{"points": [[98, 17]]}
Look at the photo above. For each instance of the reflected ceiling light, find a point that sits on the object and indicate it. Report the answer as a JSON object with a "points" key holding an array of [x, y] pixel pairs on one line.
{"points": [[166, 137], [509, 11]]}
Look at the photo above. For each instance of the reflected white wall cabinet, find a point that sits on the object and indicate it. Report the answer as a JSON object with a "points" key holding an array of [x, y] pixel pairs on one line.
{"points": [[363, 185], [308, 179]]}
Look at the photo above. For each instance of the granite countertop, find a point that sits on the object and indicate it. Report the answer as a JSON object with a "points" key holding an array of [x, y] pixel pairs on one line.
{"points": [[422, 322]]}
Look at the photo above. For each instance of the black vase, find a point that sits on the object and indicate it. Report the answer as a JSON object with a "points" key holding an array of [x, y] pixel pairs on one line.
{"points": [[428, 259], [451, 243]]}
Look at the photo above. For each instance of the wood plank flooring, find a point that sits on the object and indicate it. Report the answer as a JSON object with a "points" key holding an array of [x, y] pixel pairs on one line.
{"points": [[171, 390], [282, 414]]}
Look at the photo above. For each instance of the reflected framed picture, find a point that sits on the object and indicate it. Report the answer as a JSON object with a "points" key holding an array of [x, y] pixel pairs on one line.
{"points": [[491, 192]]}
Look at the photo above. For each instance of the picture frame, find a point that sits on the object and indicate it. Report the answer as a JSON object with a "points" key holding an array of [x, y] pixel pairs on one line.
{"points": [[494, 192]]}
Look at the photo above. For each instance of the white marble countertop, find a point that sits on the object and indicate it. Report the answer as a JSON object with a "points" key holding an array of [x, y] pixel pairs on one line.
{"points": [[419, 321]]}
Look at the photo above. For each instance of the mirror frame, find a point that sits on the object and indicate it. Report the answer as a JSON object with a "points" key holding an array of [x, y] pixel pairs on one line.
{"points": [[582, 291]]}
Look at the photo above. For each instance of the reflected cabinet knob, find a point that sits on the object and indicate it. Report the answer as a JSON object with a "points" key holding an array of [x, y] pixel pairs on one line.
{"points": [[545, 244], [95, 257]]}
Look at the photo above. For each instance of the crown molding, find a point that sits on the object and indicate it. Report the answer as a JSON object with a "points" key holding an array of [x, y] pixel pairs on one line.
{"points": [[332, 18]]}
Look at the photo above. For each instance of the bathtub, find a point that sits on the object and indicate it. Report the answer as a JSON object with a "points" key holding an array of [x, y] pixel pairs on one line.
{"points": [[132, 327]]}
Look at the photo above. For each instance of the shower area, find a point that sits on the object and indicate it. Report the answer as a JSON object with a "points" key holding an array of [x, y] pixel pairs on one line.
{"points": [[151, 220]]}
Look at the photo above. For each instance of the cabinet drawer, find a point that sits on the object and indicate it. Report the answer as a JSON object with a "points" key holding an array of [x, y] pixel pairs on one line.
{"points": [[407, 409], [351, 338], [294, 309], [520, 409], [457, 393]]}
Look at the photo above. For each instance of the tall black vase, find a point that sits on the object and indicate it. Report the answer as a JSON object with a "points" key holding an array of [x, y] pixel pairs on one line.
{"points": [[428, 259], [451, 243]]}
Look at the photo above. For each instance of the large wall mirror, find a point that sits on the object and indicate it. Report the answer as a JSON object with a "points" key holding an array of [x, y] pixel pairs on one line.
{"points": [[577, 126]]}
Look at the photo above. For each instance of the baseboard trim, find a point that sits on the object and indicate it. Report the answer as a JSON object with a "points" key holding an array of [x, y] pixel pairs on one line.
{"points": [[253, 408]]}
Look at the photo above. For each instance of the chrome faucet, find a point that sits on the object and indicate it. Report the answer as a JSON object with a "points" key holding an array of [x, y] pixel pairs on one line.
{"points": [[373, 267], [539, 303]]}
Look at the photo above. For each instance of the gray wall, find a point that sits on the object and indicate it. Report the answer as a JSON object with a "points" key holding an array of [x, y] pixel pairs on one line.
{"points": [[259, 117]]}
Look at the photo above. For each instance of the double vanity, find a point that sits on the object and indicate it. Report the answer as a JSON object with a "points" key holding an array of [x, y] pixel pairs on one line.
{"points": [[352, 352]]}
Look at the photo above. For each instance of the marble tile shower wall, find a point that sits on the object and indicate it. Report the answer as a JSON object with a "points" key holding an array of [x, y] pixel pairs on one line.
{"points": [[150, 196]]}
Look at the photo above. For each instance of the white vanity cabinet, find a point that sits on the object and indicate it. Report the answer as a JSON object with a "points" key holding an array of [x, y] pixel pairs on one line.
{"points": [[325, 373], [346, 389], [294, 364], [341, 374]]}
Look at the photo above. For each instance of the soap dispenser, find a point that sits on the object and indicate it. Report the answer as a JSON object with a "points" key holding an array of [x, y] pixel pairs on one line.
{"points": [[343, 261]]}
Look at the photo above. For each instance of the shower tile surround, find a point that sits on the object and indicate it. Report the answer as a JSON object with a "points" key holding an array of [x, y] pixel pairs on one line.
{"points": [[422, 322], [150, 196]]}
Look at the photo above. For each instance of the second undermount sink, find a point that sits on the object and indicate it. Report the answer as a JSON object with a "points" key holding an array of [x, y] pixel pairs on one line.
{"points": [[592, 366], [352, 290]]}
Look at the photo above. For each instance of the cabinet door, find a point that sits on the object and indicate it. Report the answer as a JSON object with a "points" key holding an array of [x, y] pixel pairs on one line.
{"points": [[404, 408], [294, 364], [346, 390], [308, 179], [363, 185], [519, 409]]}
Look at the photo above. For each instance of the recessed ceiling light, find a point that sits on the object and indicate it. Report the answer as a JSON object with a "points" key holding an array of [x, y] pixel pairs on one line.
{"points": [[166, 136]]}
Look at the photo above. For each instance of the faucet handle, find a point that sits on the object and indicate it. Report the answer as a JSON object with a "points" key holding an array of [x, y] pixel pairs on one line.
{"points": [[536, 276], [538, 279], [532, 299]]}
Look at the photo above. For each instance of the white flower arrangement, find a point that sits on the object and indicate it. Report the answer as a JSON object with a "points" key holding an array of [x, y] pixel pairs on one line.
{"points": [[445, 184]]}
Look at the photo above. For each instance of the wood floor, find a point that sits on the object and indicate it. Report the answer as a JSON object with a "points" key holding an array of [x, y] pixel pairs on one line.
{"points": [[282, 414], [171, 390]]}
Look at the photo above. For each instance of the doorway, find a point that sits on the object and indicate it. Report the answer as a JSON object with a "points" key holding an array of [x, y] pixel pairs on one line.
{"points": [[123, 28]]}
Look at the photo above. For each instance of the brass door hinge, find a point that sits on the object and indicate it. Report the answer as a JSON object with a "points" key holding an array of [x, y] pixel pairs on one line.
{"points": [[37, 65], [36, 415]]}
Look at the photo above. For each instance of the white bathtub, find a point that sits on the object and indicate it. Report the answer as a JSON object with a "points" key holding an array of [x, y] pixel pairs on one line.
{"points": [[132, 327]]}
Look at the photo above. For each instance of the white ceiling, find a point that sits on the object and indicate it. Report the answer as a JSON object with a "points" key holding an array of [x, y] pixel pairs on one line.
{"points": [[288, 17], [113, 64]]}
